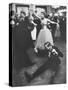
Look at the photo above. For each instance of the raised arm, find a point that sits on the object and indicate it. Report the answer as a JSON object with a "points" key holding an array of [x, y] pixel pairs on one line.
{"points": [[36, 16], [51, 21]]}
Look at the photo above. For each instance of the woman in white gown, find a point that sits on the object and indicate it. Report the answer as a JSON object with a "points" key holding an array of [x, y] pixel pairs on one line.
{"points": [[45, 34]]}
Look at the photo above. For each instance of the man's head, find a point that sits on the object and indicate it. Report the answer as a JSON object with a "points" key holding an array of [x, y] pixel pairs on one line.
{"points": [[12, 14], [22, 14]]}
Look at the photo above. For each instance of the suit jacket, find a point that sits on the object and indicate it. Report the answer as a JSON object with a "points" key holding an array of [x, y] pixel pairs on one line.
{"points": [[54, 60], [21, 40], [39, 26], [60, 54], [22, 36]]}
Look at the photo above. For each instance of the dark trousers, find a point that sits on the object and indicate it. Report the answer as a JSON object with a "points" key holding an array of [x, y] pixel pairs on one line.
{"points": [[52, 64], [21, 59]]}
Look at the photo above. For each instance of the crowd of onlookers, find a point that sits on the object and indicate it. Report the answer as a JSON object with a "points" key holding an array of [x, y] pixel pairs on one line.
{"points": [[15, 19]]}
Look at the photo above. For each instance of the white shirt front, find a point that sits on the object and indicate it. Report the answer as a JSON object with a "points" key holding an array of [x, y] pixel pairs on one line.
{"points": [[33, 33]]}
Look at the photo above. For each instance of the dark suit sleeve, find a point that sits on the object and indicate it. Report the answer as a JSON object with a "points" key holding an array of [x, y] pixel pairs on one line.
{"points": [[39, 26], [37, 21]]}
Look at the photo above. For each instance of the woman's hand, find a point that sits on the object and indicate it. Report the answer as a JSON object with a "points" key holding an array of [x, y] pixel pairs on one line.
{"points": [[35, 49]]}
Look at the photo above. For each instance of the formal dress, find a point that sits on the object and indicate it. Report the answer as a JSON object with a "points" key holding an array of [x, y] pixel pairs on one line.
{"points": [[44, 35]]}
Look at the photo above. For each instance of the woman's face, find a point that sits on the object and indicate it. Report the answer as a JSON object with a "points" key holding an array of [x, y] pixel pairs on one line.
{"points": [[22, 14], [42, 15]]}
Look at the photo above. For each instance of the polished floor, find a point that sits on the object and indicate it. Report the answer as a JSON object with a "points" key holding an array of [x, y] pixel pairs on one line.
{"points": [[46, 77]]}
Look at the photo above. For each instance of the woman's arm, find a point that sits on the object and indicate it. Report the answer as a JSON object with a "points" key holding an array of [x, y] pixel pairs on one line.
{"points": [[36, 16], [37, 19], [51, 21]]}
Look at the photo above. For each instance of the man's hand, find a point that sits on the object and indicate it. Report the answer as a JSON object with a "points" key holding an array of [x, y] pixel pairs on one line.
{"points": [[54, 52]]}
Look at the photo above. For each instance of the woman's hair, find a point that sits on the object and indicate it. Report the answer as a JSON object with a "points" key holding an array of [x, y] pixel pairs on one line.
{"points": [[44, 13]]}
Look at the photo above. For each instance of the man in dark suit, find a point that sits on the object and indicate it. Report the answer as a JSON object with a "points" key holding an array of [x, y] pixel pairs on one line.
{"points": [[63, 28], [39, 26], [21, 37], [53, 61], [38, 22], [53, 27]]}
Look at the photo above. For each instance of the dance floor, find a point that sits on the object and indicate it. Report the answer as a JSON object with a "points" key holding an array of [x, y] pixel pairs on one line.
{"points": [[45, 77]]}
